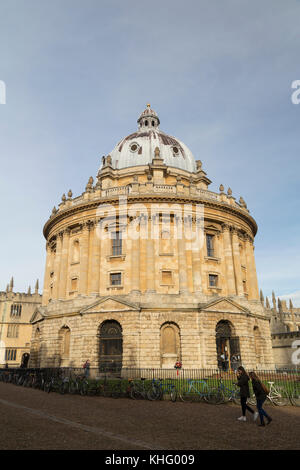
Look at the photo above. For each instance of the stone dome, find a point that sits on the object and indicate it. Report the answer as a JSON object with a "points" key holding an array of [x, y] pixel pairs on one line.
{"points": [[138, 148]]}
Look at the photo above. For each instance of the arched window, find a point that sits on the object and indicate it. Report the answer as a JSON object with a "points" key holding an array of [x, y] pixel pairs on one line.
{"points": [[169, 345], [111, 346]]}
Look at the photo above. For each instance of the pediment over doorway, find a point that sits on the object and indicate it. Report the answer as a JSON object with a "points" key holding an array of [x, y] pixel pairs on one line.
{"points": [[109, 304], [38, 315], [224, 305]]}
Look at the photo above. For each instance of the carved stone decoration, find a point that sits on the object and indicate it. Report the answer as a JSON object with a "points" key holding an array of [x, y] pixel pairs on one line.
{"points": [[63, 198], [199, 165], [70, 194], [157, 152], [229, 192], [221, 188]]}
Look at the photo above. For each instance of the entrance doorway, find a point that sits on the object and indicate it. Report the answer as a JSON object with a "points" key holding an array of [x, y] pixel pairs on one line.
{"points": [[111, 347], [228, 346]]}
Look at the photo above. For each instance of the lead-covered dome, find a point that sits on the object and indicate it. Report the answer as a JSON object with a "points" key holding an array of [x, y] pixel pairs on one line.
{"points": [[138, 148]]}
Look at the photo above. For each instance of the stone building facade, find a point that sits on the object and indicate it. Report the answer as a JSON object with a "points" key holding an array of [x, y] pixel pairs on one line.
{"points": [[148, 266], [16, 310], [285, 331]]}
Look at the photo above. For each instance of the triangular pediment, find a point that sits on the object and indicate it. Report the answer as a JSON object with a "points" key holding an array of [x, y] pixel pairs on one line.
{"points": [[224, 305], [38, 315], [109, 304]]}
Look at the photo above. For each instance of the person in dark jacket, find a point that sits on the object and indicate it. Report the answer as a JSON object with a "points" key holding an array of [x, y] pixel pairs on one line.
{"points": [[242, 382], [261, 396]]}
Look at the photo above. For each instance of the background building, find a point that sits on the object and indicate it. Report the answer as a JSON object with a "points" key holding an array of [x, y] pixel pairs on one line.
{"points": [[16, 310], [285, 330], [154, 298]]}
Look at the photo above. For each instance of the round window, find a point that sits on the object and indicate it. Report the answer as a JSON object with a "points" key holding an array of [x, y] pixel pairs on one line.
{"points": [[134, 147], [175, 151]]}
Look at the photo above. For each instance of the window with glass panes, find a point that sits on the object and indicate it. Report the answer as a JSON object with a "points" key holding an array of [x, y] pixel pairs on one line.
{"points": [[10, 354], [115, 279], [15, 310], [116, 243], [210, 245], [213, 280]]}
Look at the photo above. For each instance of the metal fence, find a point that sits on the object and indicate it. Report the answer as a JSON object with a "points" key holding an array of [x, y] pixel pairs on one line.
{"points": [[287, 379]]}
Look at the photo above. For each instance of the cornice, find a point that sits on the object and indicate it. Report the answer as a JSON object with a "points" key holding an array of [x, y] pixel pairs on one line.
{"points": [[87, 205]]}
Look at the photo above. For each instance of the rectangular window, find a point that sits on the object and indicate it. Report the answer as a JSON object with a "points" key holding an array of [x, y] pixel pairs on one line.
{"points": [[10, 354], [210, 245], [13, 331], [15, 310], [166, 277], [116, 243], [115, 279], [213, 280]]}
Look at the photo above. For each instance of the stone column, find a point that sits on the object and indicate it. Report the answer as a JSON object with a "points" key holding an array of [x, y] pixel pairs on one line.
{"points": [[47, 275], [182, 266], [62, 291], [150, 258], [95, 262], [251, 270], [84, 259], [57, 262], [237, 262], [197, 254], [228, 260], [135, 261], [143, 248]]}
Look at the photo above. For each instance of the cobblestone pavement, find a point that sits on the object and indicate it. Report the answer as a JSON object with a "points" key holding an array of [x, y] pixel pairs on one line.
{"points": [[32, 419]]}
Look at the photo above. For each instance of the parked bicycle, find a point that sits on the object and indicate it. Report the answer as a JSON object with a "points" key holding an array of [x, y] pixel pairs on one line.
{"points": [[138, 389], [159, 388], [196, 390], [277, 395], [225, 394]]}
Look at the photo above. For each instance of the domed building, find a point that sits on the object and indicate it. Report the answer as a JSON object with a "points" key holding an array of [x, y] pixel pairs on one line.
{"points": [[148, 267]]}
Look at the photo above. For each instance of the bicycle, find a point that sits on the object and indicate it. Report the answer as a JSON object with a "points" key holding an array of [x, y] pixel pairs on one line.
{"points": [[138, 389], [277, 395], [223, 394], [198, 390], [159, 388], [79, 385], [295, 394]]}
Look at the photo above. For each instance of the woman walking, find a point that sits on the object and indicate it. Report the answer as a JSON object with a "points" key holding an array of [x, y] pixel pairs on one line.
{"points": [[261, 395], [242, 382]]}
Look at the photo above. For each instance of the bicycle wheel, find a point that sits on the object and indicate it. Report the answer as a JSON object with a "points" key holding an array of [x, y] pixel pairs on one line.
{"points": [[295, 398], [73, 387], [84, 386], [173, 395], [155, 393], [186, 396], [252, 400], [280, 397], [217, 397]]}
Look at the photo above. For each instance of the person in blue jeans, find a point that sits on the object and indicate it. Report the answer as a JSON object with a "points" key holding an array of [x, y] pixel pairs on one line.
{"points": [[261, 396]]}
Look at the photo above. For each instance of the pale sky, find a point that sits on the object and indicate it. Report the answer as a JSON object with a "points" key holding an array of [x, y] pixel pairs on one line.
{"points": [[219, 75]]}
